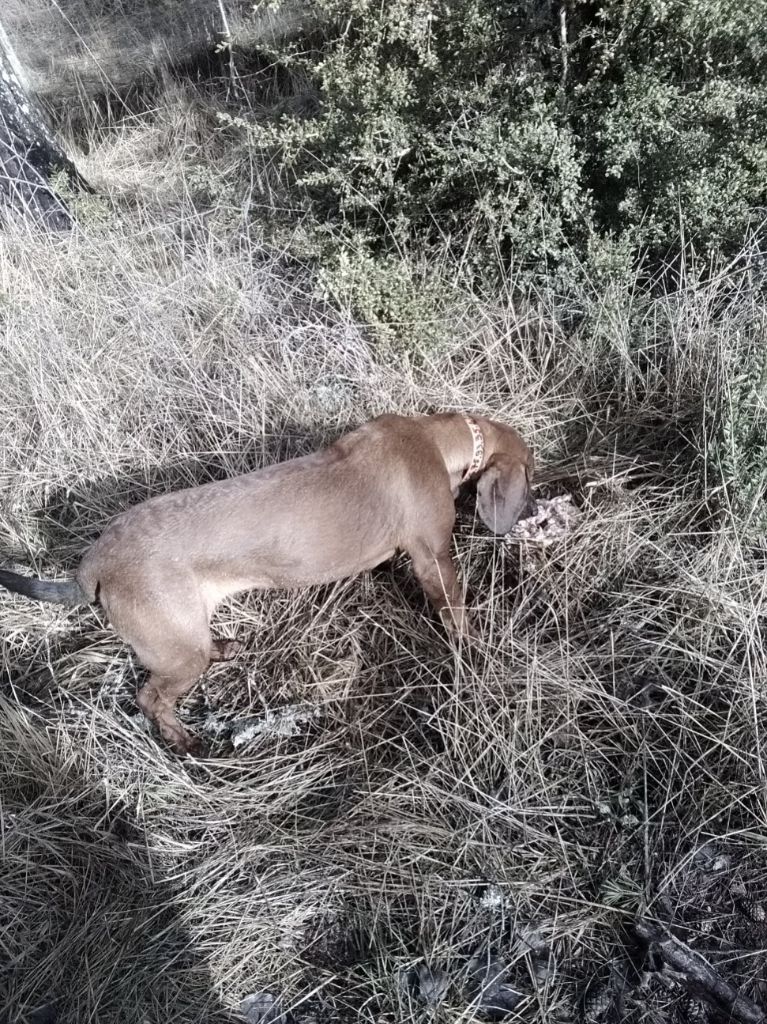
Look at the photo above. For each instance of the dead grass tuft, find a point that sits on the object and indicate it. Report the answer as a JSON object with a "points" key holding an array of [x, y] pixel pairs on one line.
{"points": [[431, 817]]}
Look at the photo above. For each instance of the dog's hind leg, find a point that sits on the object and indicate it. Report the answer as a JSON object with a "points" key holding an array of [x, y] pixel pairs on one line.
{"points": [[169, 630], [157, 699]]}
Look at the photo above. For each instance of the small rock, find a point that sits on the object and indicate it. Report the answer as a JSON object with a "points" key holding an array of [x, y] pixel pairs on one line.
{"points": [[720, 863], [428, 984], [704, 856], [432, 984], [489, 993], [45, 1014], [738, 887], [264, 1008], [501, 1001]]}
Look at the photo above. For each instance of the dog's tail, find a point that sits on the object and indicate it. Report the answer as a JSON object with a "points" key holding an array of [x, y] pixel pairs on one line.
{"points": [[69, 592]]}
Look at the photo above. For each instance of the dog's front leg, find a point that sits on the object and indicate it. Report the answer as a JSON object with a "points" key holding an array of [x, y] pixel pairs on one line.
{"points": [[436, 574]]}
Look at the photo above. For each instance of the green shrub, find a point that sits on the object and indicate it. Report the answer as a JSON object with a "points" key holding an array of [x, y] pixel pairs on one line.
{"points": [[554, 145], [741, 451], [529, 128]]}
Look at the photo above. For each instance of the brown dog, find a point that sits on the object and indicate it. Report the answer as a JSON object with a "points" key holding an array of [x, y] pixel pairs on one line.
{"points": [[161, 567]]}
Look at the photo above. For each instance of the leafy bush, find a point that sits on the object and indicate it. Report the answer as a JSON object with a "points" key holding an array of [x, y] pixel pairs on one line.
{"points": [[530, 129], [741, 446]]}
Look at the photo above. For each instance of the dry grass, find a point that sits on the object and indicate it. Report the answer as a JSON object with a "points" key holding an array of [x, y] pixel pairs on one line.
{"points": [[79, 49], [525, 797]]}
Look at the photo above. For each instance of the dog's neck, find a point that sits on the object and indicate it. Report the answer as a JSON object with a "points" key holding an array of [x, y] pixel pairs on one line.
{"points": [[463, 443]]}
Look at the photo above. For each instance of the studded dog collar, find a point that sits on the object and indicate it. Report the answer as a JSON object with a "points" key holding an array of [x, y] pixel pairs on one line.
{"points": [[478, 455]]}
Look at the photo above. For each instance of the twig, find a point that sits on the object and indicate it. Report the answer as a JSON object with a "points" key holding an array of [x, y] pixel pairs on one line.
{"points": [[563, 48], [698, 975], [585, 470]]}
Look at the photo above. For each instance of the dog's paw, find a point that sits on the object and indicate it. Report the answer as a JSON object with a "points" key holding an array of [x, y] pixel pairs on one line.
{"points": [[182, 743], [196, 747], [459, 625], [471, 633], [225, 650]]}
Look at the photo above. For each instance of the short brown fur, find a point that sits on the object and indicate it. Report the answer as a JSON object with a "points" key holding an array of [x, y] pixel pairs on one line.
{"points": [[161, 567]]}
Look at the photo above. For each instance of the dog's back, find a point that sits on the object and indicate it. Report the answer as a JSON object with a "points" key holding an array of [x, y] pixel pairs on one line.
{"points": [[160, 568], [310, 520]]}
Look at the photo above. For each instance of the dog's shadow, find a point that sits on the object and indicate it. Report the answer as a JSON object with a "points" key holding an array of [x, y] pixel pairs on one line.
{"points": [[92, 928]]}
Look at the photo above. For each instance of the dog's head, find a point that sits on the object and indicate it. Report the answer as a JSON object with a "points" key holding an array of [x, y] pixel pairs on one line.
{"points": [[503, 486]]}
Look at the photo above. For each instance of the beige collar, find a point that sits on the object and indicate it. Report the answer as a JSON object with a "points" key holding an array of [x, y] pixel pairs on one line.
{"points": [[478, 455]]}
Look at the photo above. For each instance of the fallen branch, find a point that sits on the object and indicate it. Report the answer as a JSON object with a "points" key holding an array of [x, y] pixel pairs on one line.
{"points": [[585, 470], [700, 978]]}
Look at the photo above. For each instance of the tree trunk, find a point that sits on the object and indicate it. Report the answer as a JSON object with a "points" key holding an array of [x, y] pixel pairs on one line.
{"points": [[29, 153]]}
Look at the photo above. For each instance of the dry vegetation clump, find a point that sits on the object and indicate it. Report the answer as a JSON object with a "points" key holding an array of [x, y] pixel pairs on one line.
{"points": [[84, 49], [407, 830]]}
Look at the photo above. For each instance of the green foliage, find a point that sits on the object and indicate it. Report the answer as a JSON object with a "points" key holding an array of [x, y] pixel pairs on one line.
{"points": [[401, 298], [526, 128], [90, 210], [558, 141], [674, 119], [742, 446], [429, 131]]}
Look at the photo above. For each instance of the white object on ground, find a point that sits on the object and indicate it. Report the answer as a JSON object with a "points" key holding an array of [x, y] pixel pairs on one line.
{"points": [[288, 721], [552, 521]]}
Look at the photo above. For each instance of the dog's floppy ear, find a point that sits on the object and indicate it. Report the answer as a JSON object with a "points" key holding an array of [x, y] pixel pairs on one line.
{"points": [[503, 492]]}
